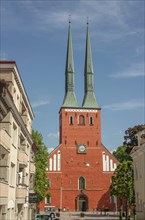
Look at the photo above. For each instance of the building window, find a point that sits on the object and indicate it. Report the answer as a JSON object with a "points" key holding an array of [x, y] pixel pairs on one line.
{"points": [[50, 164], [22, 143], [20, 177], [54, 162], [15, 136], [112, 199], [71, 120], [81, 120], [49, 182], [104, 161], [32, 181], [82, 183], [91, 120], [32, 156], [58, 160], [48, 199]]}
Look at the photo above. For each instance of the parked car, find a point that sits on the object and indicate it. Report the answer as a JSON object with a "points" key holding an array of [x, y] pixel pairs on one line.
{"points": [[45, 216], [42, 216], [49, 213], [54, 212]]}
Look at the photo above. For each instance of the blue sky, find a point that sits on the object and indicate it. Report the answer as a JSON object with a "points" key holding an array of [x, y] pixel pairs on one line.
{"points": [[34, 34]]}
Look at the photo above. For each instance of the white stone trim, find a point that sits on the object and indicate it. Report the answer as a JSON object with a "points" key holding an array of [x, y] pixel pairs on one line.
{"points": [[80, 110]]}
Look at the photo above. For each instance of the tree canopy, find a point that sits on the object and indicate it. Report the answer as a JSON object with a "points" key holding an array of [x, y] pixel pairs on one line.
{"points": [[130, 138], [122, 183], [121, 154], [41, 163]]}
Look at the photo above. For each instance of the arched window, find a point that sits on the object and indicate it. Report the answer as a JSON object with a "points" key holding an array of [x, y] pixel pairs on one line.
{"points": [[54, 162], [49, 182], [47, 200], [50, 164], [91, 120], [81, 120], [82, 183], [71, 120], [58, 160]]}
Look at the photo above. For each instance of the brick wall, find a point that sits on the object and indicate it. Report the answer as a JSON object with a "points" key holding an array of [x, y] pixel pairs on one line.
{"points": [[64, 182]]}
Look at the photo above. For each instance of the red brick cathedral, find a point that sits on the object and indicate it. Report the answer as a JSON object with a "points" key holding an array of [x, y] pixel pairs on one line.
{"points": [[80, 168]]}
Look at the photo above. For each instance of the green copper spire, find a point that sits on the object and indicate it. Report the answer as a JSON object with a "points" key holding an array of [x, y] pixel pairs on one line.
{"points": [[89, 96], [69, 98]]}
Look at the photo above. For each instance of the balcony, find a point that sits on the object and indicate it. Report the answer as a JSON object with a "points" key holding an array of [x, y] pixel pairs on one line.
{"points": [[21, 194], [32, 167], [3, 193], [4, 174], [22, 157], [25, 119], [5, 141], [4, 189]]}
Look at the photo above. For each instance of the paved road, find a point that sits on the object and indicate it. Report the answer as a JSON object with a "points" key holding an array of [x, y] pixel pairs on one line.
{"points": [[88, 216]]}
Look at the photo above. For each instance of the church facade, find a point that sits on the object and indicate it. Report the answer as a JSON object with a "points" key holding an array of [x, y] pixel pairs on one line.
{"points": [[80, 168]]}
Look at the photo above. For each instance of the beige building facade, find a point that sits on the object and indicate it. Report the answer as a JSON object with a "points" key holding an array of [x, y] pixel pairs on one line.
{"points": [[138, 155], [16, 146]]}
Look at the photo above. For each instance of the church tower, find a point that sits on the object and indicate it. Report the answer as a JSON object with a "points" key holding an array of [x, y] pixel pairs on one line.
{"points": [[80, 125], [70, 97], [80, 168], [89, 96]]}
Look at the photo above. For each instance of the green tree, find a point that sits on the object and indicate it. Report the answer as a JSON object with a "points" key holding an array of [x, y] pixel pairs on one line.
{"points": [[121, 154], [131, 138], [41, 163], [122, 184]]}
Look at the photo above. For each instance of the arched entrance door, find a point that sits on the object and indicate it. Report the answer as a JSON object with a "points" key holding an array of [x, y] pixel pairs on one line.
{"points": [[82, 203]]}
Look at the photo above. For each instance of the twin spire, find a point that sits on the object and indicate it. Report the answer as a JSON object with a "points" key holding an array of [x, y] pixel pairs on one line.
{"points": [[70, 100]]}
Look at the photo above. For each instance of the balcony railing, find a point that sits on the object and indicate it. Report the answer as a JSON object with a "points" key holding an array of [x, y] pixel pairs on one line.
{"points": [[5, 140], [4, 174], [32, 167], [22, 157], [3, 190], [25, 119], [21, 192]]}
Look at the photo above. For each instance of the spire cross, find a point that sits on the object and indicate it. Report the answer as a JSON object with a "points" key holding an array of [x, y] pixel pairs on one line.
{"points": [[69, 19], [87, 21]]}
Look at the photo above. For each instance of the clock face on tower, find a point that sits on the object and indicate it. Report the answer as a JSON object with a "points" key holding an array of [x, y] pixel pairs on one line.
{"points": [[81, 148]]}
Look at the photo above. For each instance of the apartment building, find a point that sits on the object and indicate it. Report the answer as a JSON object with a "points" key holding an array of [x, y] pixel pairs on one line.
{"points": [[138, 155], [16, 146]]}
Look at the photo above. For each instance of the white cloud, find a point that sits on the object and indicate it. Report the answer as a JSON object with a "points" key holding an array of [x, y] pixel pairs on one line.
{"points": [[50, 149], [53, 135], [39, 103], [129, 105], [108, 19], [136, 70]]}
